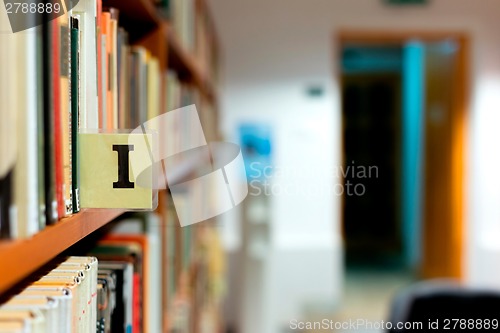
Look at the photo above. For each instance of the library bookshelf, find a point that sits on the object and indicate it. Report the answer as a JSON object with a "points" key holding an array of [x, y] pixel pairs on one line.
{"points": [[147, 28]]}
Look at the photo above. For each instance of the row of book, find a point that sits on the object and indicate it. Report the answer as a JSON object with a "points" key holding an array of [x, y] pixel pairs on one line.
{"points": [[119, 286], [194, 26], [195, 271], [72, 74], [64, 300]]}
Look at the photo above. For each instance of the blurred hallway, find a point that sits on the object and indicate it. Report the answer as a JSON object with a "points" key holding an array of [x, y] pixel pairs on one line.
{"points": [[283, 73]]}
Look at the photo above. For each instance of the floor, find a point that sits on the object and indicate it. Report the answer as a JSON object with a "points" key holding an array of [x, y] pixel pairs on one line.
{"points": [[367, 298]]}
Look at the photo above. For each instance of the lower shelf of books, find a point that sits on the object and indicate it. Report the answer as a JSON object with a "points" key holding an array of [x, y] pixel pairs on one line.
{"points": [[145, 274]]}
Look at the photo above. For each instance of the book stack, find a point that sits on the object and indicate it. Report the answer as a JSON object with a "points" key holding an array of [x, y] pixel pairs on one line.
{"points": [[97, 68], [73, 74], [194, 27], [64, 300], [194, 271]]}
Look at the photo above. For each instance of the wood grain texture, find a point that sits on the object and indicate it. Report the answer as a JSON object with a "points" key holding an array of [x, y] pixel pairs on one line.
{"points": [[19, 258]]}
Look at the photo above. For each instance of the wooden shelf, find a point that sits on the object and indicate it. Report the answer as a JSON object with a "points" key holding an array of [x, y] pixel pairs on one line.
{"points": [[138, 17], [23, 257]]}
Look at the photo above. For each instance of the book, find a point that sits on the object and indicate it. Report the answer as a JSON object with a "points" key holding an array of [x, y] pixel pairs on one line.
{"points": [[149, 225], [138, 87], [13, 326], [25, 182], [64, 298], [40, 124], [32, 320], [112, 44], [106, 121], [99, 69], [47, 305], [125, 250], [106, 299], [8, 121], [87, 265], [123, 74], [75, 109], [78, 275], [153, 88], [182, 16], [65, 86], [50, 83], [58, 165], [121, 317], [87, 11]]}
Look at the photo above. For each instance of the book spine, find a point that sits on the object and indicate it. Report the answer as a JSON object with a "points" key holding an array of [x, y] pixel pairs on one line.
{"points": [[108, 37], [58, 135], [5, 205], [48, 117], [104, 123], [137, 306], [42, 216], [114, 71], [75, 82], [66, 113], [26, 168], [98, 41], [120, 40], [134, 87]]}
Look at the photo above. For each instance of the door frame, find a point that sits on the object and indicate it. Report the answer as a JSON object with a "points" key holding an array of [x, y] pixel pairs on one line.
{"points": [[459, 120]]}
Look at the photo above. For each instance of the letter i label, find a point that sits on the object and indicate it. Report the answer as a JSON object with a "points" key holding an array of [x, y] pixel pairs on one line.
{"points": [[123, 166]]}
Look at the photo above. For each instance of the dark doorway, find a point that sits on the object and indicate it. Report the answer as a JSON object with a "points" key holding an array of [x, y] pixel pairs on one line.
{"points": [[404, 110], [371, 110]]}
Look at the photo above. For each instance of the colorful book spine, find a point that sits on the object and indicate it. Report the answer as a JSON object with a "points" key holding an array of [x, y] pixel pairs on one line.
{"points": [[48, 120], [65, 73], [58, 135], [106, 122]]}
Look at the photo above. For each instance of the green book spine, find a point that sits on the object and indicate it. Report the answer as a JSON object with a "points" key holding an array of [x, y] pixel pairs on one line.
{"points": [[75, 81]]}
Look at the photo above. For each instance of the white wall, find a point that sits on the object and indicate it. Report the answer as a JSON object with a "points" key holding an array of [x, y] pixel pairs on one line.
{"points": [[304, 262], [273, 48]]}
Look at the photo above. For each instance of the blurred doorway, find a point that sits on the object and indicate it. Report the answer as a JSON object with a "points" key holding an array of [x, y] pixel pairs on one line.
{"points": [[404, 112]]}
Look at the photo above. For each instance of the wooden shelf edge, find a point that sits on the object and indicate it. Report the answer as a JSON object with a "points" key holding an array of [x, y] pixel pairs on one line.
{"points": [[141, 10], [20, 258]]}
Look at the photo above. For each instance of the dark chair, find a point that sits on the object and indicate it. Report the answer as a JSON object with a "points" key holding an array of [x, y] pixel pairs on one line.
{"points": [[445, 306]]}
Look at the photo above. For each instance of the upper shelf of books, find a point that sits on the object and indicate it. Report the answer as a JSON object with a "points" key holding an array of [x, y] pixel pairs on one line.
{"points": [[109, 65], [188, 30]]}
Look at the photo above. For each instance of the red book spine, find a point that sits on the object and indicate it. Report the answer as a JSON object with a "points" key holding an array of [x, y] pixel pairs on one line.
{"points": [[136, 307], [56, 77]]}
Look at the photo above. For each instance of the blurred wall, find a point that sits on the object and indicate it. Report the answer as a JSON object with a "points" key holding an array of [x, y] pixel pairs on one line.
{"points": [[302, 266], [273, 49]]}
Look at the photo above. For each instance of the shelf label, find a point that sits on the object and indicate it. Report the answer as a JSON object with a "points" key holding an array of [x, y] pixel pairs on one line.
{"points": [[106, 180]]}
